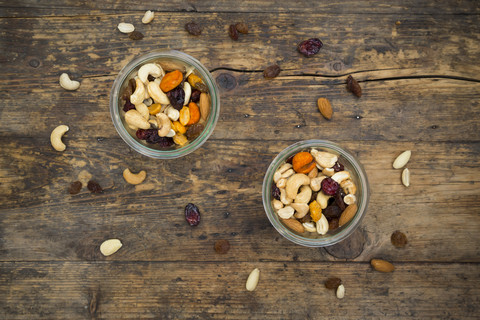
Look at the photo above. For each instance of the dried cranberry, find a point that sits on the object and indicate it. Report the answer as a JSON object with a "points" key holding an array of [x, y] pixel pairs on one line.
{"points": [[333, 224], [333, 283], [275, 192], [176, 97], [353, 86], [338, 167], [339, 199], [222, 246], [192, 214], [232, 31], [195, 97], [310, 47], [143, 134], [329, 186], [194, 131], [128, 105], [399, 239], [271, 71], [193, 28], [75, 187], [94, 187], [332, 212]]}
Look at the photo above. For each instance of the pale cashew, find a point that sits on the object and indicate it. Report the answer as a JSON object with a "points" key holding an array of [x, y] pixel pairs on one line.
{"points": [[172, 113], [313, 173], [277, 204], [328, 172], [309, 226], [189, 71], [283, 197], [56, 137], [288, 173], [282, 183], [316, 183], [148, 102], [171, 133], [286, 212], [143, 110], [277, 176], [349, 199], [134, 119], [164, 124], [324, 159], [284, 167], [157, 94], [152, 69], [304, 195], [188, 92], [148, 17], [348, 186], [322, 199], [68, 84], [322, 225], [139, 95], [294, 183], [301, 209], [153, 123], [133, 178], [340, 176]]}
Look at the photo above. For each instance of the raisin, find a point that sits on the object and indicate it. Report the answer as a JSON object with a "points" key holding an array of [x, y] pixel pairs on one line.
{"points": [[275, 192], [195, 97], [271, 71], [75, 187], [241, 27], [232, 31], [329, 186], [333, 283], [194, 131], [192, 214], [310, 47], [150, 78], [222, 246], [153, 137], [290, 159], [338, 167], [306, 218], [143, 134], [339, 199], [193, 28], [333, 224], [313, 197], [94, 187], [136, 35], [176, 97], [353, 86], [399, 239], [332, 212], [128, 105]]}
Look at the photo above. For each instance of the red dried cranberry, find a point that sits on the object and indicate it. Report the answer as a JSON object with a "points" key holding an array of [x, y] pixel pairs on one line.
{"points": [[275, 192], [128, 105], [165, 142], [310, 47], [332, 212], [329, 186], [192, 214], [338, 167], [176, 97], [195, 97]]}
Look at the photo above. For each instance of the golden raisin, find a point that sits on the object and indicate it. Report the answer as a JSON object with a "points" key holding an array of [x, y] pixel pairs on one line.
{"points": [[194, 113], [155, 108], [171, 80], [197, 83], [315, 210], [180, 139], [184, 116], [178, 127], [303, 162]]}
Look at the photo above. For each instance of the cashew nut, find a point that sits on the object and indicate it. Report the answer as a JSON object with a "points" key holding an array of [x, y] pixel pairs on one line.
{"points": [[56, 137], [157, 94], [152, 69], [288, 173], [277, 204], [294, 183], [313, 173], [134, 119], [189, 71], [324, 159], [282, 183], [164, 124], [328, 172], [301, 209], [340, 176], [171, 133], [284, 168], [188, 92], [172, 113], [322, 199], [68, 84], [283, 197], [277, 176], [322, 225], [286, 212], [316, 183], [304, 195], [148, 17], [133, 178], [139, 95], [349, 199], [309, 226], [143, 110], [148, 102], [348, 186]]}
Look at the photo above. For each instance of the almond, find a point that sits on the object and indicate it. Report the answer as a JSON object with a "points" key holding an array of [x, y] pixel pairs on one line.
{"points": [[294, 225], [382, 265], [347, 214], [325, 108]]}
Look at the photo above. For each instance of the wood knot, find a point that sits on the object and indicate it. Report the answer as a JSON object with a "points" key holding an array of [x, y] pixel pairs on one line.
{"points": [[226, 81], [350, 248]]}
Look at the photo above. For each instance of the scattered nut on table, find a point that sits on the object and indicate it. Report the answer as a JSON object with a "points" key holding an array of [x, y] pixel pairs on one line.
{"points": [[133, 178], [340, 291], [125, 27], [56, 137], [402, 159], [148, 17], [252, 280], [109, 247], [68, 84], [406, 177]]}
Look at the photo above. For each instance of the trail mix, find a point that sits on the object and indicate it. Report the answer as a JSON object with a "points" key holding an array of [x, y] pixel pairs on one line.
{"points": [[166, 104], [312, 192]]}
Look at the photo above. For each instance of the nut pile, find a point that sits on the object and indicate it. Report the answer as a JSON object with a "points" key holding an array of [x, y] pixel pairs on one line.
{"points": [[166, 104], [312, 192]]}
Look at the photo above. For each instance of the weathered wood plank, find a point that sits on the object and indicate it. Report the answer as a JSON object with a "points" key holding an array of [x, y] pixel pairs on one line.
{"points": [[216, 290], [41, 221]]}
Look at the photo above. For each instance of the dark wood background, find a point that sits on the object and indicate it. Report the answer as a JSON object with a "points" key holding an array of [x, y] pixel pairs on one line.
{"points": [[418, 65]]}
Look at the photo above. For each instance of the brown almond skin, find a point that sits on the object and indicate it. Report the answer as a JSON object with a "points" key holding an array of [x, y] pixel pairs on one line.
{"points": [[204, 105], [382, 265], [325, 108], [294, 225], [347, 214]]}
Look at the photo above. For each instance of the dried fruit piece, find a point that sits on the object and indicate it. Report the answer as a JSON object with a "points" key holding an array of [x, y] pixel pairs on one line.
{"points": [[339, 199], [338, 167], [332, 212], [294, 225], [329, 186], [75, 187], [178, 127], [347, 214], [136, 35], [333, 283], [275, 192], [154, 108], [94, 187], [176, 97], [192, 214], [222, 246], [353, 86], [271, 71], [195, 96], [197, 83], [194, 113], [333, 224], [180, 139], [303, 162], [315, 210], [399, 239], [382, 265], [310, 47], [184, 116], [252, 280], [325, 108], [241, 27], [193, 28], [194, 131], [171, 80], [232, 32]]}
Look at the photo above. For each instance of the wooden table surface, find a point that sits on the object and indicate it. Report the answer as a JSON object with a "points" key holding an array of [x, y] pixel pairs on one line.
{"points": [[418, 63]]}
